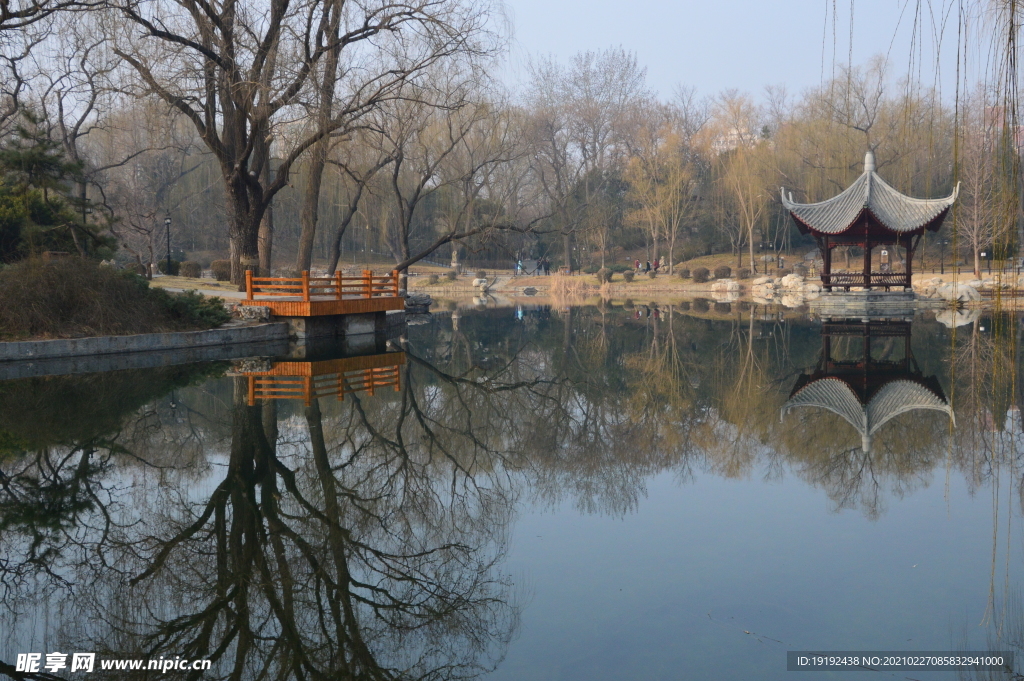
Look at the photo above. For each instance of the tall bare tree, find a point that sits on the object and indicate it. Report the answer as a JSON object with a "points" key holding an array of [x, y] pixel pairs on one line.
{"points": [[240, 69]]}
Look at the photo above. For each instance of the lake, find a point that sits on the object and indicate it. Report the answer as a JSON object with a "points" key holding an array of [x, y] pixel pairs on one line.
{"points": [[626, 491]]}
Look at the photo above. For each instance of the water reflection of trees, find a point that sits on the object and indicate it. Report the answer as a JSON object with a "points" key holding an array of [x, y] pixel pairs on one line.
{"points": [[365, 537], [355, 549]]}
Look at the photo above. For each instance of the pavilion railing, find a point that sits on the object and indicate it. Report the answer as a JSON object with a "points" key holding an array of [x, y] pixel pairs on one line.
{"points": [[849, 279], [337, 287]]}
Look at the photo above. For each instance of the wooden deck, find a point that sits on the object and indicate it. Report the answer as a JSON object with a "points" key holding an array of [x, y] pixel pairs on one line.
{"points": [[308, 381], [308, 296]]}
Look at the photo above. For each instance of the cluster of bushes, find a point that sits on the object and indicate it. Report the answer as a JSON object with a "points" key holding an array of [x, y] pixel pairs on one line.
{"points": [[743, 273], [684, 273], [701, 275], [628, 276], [482, 274], [221, 270], [619, 268], [433, 279], [73, 297], [161, 266], [190, 269], [723, 272], [652, 274], [590, 269], [604, 275], [450, 275]]}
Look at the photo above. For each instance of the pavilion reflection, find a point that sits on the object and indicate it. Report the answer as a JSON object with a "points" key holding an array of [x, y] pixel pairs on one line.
{"points": [[867, 375]]}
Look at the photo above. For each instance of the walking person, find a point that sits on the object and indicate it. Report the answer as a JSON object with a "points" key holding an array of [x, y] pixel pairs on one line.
{"points": [[657, 264], [636, 265], [648, 269]]}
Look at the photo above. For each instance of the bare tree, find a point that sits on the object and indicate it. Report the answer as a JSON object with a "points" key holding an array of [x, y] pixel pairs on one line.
{"points": [[581, 113], [237, 70]]}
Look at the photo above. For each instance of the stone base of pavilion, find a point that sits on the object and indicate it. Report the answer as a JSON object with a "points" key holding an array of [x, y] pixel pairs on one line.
{"points": [[871, 304]]}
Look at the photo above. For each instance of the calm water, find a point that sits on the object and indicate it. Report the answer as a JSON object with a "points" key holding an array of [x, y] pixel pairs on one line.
{"points": [[670, 492]]}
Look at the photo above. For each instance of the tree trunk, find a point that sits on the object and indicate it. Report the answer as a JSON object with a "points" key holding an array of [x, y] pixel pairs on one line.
{"points": [[245, 227], [567, 246], [309, 214], [266, 241], [750, 243]]}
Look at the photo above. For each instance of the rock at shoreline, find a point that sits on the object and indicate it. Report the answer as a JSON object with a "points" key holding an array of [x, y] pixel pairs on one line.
{"points": [[962, 293], [418, 303], [792, 282], [725, 286], [254, 313]]}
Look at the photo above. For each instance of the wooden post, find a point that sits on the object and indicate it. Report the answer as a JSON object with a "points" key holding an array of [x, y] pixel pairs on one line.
{"points": [[308, 389], [305, 285], [337, 285], [248, 288], [394, 282], [867, 264], [826, 265], [909, 248], [367, 283], [252, 391]]}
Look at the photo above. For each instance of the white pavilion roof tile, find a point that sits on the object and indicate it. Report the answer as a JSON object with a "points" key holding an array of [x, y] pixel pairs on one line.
{"points": [[898, 212]]}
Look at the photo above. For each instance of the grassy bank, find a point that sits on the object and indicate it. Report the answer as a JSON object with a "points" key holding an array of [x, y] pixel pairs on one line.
{"points": [[73, 298]]}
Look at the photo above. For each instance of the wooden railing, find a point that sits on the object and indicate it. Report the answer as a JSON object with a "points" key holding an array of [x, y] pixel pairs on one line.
{"points": [[308, 288], [309, 388], [848, 279]]}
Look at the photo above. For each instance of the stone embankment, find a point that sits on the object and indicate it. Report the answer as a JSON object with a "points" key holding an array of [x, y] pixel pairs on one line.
{"points": [[790, 290], [229, 334]]}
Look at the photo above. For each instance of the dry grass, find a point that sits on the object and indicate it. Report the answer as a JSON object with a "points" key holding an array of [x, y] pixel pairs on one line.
{"points": [[565, 290], [72, 297], [189, 284]]}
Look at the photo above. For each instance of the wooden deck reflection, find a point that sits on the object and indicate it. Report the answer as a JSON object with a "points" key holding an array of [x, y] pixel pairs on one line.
{"points": [[308, 381]]}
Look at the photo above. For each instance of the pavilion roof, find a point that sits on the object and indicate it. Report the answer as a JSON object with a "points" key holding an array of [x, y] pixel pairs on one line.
{"points": [[894, 398], [897, 212]]}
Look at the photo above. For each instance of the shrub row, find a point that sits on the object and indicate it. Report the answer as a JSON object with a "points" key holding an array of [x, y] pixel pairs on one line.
{"points": [[72, 297]]}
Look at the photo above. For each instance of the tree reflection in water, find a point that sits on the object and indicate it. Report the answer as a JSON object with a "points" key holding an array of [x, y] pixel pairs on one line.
{"points": [[364, 538], [350, 550]]}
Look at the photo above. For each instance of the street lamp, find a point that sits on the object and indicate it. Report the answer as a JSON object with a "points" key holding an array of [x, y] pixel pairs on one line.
{"points": [[942, 255], [167, 224], [983, 255]]}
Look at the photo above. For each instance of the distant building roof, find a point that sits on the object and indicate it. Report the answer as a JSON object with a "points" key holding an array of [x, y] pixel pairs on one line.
{"points": [[893, 210], [891, 400]]}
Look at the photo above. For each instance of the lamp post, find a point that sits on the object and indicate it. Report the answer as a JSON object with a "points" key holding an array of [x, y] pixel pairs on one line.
{"points": [[942, 255], [167, 224], [983, 254]]}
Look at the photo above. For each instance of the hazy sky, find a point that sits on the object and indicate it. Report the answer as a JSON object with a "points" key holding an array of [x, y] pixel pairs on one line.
{"points": [[718, 44]]}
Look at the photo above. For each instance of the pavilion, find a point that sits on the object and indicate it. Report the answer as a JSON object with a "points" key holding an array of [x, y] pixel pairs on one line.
{"points": [[867, 392], [868, 213]]}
